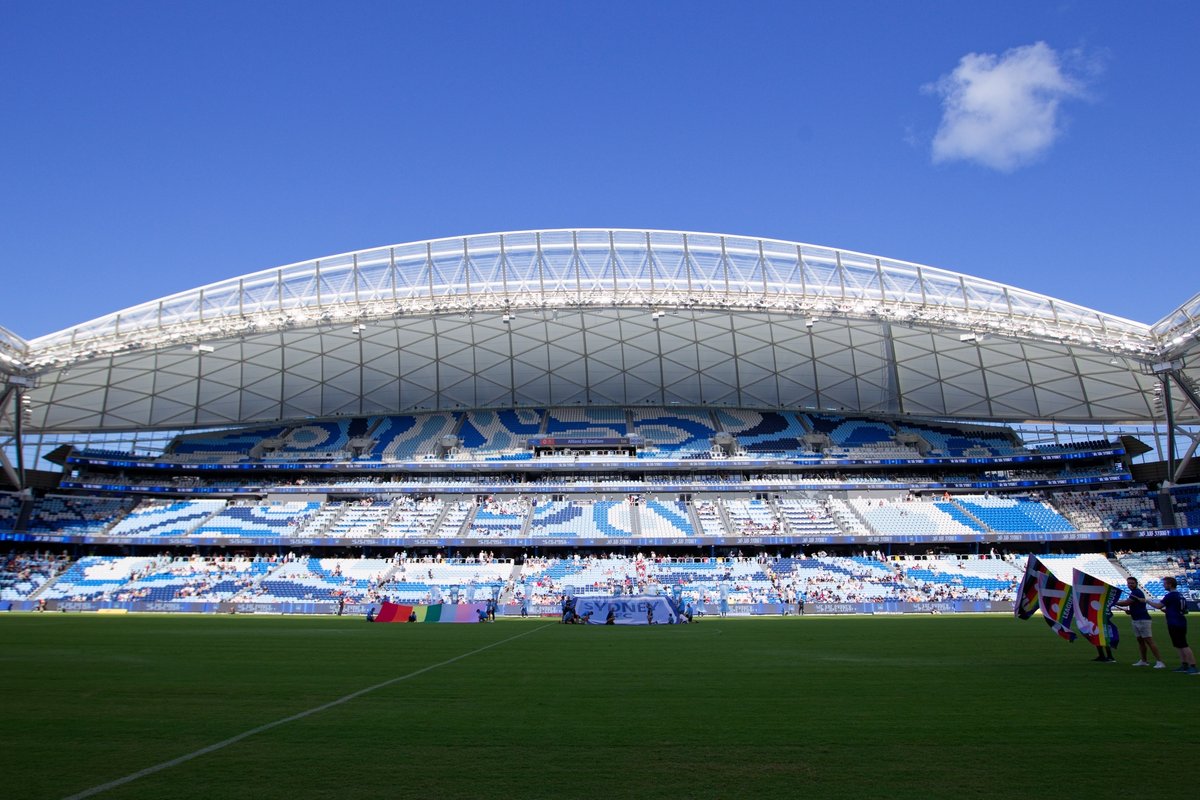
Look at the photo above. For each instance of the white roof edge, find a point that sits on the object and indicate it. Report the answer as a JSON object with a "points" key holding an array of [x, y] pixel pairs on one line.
{"points": [[1189, 308], [12, 340], [458, 238]]}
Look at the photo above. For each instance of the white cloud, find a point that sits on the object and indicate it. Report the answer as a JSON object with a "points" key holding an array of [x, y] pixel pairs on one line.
{"points": [[1002, 111]]}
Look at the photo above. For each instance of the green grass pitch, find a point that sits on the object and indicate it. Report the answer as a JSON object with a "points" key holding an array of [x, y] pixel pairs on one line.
{"points": [[797, 707]]}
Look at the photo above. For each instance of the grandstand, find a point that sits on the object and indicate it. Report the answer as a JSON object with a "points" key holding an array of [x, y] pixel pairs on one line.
{"points": [[730, 421]]}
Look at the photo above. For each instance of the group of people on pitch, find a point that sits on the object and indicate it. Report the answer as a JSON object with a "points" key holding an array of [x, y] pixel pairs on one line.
{"points": [[488, 612], [1174, 606]]}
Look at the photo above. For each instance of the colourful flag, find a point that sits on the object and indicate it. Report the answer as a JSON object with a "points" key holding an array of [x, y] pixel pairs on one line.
{"points": [[1026, 603], [437, 612], [1054, 599], [1093, 600]]}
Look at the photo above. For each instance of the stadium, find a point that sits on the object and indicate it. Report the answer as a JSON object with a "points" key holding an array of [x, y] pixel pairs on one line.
{"points": [[734, 421], [837, 464]]}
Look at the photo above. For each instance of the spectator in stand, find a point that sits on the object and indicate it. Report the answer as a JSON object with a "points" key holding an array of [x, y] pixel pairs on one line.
{"points": [[1139, 614], [1174, 606]]}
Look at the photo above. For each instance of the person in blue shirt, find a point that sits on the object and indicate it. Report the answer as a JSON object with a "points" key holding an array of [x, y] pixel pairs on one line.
{"points": [[1139, 614], [1174, 606]]}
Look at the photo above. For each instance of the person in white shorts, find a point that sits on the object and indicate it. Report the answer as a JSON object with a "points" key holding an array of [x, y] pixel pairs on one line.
{"points": [[1139, 614]]}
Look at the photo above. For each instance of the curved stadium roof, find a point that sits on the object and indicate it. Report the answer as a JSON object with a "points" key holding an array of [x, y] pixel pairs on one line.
{"points": [[596, 317]]}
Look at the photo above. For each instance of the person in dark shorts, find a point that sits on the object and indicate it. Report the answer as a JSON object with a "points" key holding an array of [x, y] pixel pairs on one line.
{"points": [[1174, 606]]}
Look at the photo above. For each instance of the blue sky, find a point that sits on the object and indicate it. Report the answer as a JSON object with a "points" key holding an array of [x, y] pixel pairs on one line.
{"points": [[148, 148]]}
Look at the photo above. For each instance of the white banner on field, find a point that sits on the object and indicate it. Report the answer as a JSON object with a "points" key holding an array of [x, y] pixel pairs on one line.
{"points": [[627, 609]]}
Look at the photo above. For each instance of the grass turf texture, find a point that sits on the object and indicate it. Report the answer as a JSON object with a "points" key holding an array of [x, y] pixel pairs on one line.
{"points": [[822, 707]]}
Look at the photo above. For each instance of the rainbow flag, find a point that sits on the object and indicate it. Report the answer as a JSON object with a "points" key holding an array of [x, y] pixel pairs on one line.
{"points": [[437, 612], [1054, 600], [1026, 603], [1093, 601]]}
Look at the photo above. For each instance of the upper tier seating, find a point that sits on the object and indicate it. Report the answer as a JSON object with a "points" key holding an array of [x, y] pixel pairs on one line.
{"points": [[75, 515], [10, 510], [777, 432], [607, 423], [1014, 514], [848, 433], [406, 437], [280, 519], [913, 518], [752, 518], [673, 433], [326, 440], [453, 519], [493, 433], [709, 514], [665, 518], [412, 517], [219, 446], [1187, 505], [951, 442], [808, 517], [166, 518], [1109, 511], [356, 521], [582, 519], [500, 517]]}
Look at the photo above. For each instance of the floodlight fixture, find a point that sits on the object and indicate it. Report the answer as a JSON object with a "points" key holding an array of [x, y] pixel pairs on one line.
{"points": [[1163, 367]]}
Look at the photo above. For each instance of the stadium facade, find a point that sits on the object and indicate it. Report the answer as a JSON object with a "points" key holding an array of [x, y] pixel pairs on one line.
{"points": [[597, 390]]}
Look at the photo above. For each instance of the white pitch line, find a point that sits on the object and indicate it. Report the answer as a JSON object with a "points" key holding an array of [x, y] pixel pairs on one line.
{"points": [[104, 787]]}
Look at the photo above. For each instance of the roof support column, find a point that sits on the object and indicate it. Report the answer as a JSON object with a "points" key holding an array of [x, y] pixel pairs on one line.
{"points": [[15, 476], [1165, 381], [895, 398], [1189, 392], [1186, 461]]}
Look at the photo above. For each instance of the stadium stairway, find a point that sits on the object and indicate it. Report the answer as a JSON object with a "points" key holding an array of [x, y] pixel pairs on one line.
{"points": [[858, 517], [697, 523], [635, 519], [983, 526], [508, 594], [437, 521], [36, 593], [317, 524]]}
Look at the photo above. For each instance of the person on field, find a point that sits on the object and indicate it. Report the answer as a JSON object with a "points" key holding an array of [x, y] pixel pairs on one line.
{"points": [[1174, 606], [1139, 614]]}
